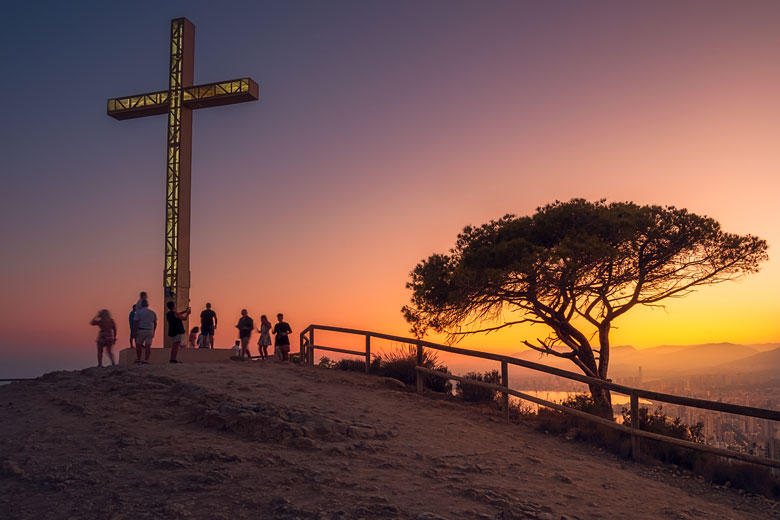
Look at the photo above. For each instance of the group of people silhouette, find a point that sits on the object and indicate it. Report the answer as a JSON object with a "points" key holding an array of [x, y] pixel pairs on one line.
{"points": [[143, 326]]}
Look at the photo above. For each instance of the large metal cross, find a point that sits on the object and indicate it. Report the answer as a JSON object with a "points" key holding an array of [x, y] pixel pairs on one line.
{"points": [[178, 102]]}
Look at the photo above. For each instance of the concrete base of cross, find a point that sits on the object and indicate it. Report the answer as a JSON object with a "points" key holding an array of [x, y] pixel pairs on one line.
{"points": [[127, 356]]}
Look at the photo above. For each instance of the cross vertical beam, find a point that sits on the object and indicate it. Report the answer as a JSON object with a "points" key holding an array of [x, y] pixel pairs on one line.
{"points": [[176, 275], [181, 98]]}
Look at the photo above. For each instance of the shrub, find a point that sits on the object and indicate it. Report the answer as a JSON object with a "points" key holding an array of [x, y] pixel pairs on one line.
{"points": [[582, 402], [401, 362], [476, 393], [358, 365], [657, 422], [518, 410], [326, 362], [751, 477]]}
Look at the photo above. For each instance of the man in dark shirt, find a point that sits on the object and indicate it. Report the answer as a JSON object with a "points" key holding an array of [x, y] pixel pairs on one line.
{"points": [[245, 327], [133, 329], [208, 325], [282, 343], [176, 328]]}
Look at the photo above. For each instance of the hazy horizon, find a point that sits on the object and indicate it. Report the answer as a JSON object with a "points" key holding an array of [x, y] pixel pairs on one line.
{"points": [[20, 365]]}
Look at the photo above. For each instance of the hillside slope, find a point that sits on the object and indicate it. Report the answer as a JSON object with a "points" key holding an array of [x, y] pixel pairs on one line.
{"points": [[763, 361], [264, 440]]}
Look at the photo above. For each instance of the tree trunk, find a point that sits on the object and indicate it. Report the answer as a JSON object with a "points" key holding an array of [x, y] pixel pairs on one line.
{"points": [[603, 399], [602, 396]]}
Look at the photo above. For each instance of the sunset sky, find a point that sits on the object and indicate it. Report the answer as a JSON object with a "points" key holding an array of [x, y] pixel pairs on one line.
{"points": [[383, 128]]}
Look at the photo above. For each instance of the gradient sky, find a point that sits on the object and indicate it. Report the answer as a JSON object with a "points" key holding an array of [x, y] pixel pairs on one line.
{"points": [[382, 130]]}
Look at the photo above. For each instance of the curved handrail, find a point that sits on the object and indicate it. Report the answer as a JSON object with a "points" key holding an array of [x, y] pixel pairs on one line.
{"points": [[704, 404]]}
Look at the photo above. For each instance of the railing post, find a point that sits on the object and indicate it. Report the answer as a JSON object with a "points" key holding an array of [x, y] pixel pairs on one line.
{"points": [[635, 425], [368, 353], [419, 364], [505, 384], [311, 347], [302, 337]]}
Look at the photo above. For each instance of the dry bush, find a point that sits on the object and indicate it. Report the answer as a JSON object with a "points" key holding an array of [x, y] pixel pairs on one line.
{"points": [[479, 394], [326, 362], [658, 422], [358, 365], [401, 362], [720, 470]]}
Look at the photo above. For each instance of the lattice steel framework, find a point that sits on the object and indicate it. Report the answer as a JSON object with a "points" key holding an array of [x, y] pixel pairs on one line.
{"points": [[178, 102], [173, 177]]}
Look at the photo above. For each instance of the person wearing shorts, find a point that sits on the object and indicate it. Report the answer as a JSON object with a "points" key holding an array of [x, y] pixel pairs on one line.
{"points": [[176, 330], [245, 327], [106, 335], [146, 325], [208, 325], [282, 331]]}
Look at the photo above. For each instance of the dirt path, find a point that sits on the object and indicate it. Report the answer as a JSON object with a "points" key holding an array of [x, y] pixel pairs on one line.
{"points": [[263, 440]]}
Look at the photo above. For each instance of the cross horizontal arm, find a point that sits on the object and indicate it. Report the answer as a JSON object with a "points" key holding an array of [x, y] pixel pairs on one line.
{"points": [[198, 96], [222, 93], [152, 104]]}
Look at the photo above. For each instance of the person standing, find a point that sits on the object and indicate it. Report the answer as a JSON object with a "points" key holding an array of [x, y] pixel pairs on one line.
{"points": [[245, 327], [146, 325], [106, 335], [208, 325], [176, 329], [282, 331], [133, 329], [265, 336], [141, 297]]}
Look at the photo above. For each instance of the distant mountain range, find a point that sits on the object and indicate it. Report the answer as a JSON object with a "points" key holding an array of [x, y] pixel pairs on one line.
{"points": [[763, 361], [672, 360]]}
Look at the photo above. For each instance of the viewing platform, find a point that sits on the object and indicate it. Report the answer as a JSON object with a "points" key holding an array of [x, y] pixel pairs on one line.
{"points": [[159, 356]]}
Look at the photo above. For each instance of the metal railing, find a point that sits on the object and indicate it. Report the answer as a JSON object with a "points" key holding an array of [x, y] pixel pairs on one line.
{"points": [[308, 347]]}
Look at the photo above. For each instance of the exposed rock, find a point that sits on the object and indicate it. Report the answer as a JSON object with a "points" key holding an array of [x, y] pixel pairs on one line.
{"points": [[305, 443], [360, 432], [429, 516], [393, 384]]}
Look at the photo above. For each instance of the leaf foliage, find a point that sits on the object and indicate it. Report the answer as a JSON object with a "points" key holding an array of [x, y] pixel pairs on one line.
{"points": [[573, 267]]}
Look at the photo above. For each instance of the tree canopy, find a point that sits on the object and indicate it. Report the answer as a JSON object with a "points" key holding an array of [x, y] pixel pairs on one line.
{"points": [[574, 267]]}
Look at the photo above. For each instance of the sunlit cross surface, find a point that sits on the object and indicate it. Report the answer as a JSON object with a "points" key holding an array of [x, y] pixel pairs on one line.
{"points": [[181, 98]]}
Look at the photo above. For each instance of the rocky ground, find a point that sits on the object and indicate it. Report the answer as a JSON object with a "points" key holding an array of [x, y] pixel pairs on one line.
{"points": [[265, 440]]}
